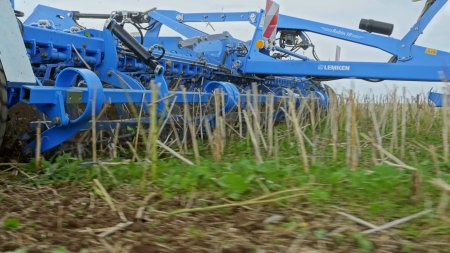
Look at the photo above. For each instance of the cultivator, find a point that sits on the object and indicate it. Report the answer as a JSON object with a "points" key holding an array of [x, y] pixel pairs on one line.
{"points": [[52, 62]]}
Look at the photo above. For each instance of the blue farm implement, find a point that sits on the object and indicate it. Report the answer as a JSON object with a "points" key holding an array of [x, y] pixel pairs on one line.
{"points": [[439, 99], [51, 62]]}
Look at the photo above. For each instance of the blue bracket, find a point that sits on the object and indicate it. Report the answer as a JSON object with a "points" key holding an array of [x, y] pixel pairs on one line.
{"points": [[64, 127], [163, 91], [108, 72], [438, 99]]}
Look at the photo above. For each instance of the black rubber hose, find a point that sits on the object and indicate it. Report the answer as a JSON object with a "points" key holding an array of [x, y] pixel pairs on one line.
{"points": [[140, 33], [162, 54]]}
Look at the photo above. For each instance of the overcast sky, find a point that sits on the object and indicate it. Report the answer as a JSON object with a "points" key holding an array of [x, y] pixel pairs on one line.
{"points": [[346, 13]]}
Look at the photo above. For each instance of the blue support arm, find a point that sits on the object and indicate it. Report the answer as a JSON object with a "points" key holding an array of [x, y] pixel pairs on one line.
{"points": [[417, 30]]}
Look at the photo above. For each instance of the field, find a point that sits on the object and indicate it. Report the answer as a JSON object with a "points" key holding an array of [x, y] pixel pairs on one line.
{"points": [[367, 175]]}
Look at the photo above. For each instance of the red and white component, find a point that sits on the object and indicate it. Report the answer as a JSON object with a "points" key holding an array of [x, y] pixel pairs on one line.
{"points": [[271, 20]]}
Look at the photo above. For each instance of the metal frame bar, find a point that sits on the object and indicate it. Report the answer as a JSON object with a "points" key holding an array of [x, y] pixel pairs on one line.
{"points": [[45, 95], [211, 17]]}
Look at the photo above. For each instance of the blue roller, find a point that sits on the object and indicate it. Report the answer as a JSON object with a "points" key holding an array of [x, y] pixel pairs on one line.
{"points": [[229, 90], [64, 127]]}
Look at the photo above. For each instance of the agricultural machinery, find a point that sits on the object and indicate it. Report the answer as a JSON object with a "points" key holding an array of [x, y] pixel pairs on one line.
{"points": [[53, 63]]}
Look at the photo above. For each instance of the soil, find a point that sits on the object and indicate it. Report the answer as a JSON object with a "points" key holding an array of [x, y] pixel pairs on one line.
{"points": [[73, 217], [18, 133]]}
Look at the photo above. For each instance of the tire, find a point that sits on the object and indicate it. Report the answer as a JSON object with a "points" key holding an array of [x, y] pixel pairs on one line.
{"points": [[3, 104]]}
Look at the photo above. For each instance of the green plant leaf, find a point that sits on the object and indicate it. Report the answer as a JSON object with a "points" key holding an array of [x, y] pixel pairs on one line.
{"points": [[320, 234], [11, 224], [234, 184], [59, 250], [363, 243]]}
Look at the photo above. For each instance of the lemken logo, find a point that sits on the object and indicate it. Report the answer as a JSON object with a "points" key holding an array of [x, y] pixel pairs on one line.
{"points": [[335, 67]]}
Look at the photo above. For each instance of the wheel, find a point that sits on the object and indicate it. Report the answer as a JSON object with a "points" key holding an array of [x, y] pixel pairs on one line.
{"points": [[3, 104]]}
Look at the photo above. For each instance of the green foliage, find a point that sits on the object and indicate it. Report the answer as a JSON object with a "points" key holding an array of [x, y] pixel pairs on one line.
{"points": [[62, 169], [235, 185], [241, 178], [11, 224], [406, 247], [321, 234], [363, 243], [195, 233], [319, 195], [59, 250], [338, 238]]}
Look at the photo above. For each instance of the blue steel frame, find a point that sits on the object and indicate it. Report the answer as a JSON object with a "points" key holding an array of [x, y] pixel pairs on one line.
{"points": [[60, 55], [415, 63]]}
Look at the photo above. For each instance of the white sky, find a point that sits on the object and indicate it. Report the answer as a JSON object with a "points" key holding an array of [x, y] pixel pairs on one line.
{"points": [[345, 13]]}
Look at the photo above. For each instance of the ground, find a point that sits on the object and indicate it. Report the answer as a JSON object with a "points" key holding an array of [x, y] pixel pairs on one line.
{"points": [[299, 191], [72, 215]]}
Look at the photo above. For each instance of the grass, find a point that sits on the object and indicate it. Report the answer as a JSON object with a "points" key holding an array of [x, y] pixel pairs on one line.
{"points": [[329, 185], [349, 163], [11, 224]]}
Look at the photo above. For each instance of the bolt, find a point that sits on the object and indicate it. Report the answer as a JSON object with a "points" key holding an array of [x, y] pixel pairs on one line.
{"points": [[56, 120], [179, 17], [253, 18]]}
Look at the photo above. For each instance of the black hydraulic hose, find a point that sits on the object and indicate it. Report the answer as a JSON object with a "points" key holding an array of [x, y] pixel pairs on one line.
{"points": [[140, 32], [131, 43], [163, 53]]}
